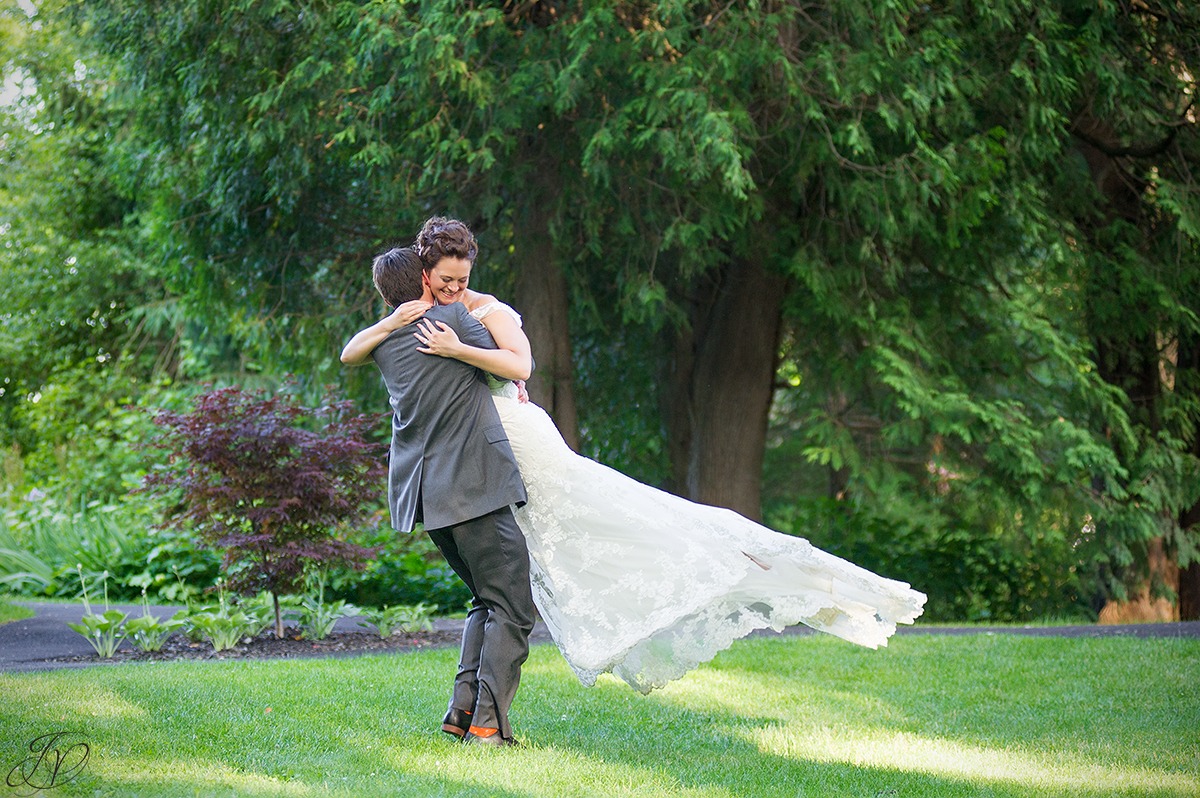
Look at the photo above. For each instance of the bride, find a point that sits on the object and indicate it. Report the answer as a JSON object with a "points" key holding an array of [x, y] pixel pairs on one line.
{"points": [[629, 579]]}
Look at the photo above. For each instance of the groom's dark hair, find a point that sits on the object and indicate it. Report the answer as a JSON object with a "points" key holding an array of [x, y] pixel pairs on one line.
{"points": [[445, 238], [397, 275]]}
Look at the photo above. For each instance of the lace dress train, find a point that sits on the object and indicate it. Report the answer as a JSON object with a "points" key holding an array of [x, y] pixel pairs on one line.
{"points": [[638, 582]]}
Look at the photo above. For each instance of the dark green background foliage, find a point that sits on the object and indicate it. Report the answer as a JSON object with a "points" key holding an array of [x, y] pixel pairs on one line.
{"points": [[918, 282]]}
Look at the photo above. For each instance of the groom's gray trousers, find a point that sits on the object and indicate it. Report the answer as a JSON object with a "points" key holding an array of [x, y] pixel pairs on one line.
{"points": [[490, 555]]}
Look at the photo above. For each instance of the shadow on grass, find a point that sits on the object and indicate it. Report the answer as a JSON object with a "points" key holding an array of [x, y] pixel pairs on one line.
{"points": [[1005, 716], [684, 752]]}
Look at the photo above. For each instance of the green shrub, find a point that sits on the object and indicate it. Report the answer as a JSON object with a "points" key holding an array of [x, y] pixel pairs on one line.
{"points": [[148, 632], [223, 624], [83, 436], [41, 545], [407, 570], [318, 617], [1021, 570], [407, 618], [105, 630]]}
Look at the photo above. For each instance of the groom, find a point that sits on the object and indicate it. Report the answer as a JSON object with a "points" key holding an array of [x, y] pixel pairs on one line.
{"points": [[451, 467]]}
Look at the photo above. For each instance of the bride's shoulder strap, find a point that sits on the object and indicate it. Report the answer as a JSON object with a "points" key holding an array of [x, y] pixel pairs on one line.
{"points": [[490, 305]]}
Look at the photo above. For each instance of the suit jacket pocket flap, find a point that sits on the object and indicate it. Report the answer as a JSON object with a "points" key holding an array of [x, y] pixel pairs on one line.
{"points": [[495, 433]]}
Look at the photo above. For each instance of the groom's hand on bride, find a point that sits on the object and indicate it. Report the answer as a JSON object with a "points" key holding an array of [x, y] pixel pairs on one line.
{"points": [[437, 340], [407, 313]]}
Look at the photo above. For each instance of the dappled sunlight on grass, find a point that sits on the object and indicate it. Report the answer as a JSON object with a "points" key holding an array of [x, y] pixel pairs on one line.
{"points": [[769, 696], [189, 774], [536, 770], [952, 760], [544, 658], [48, 696]]}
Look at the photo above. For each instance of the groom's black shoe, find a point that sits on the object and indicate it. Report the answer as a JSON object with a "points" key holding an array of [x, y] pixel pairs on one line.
{"points": [[456, 722], [492, 741]]}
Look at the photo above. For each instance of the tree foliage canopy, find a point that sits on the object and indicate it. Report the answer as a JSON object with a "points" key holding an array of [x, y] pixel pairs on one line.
{"points": [[937, 263]]}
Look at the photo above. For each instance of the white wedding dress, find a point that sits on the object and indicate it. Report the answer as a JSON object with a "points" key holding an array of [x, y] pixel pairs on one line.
{"points": [[640, 583]]}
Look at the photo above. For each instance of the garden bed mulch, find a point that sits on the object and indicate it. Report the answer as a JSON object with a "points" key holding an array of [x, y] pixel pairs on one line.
{"points": [[267, 646]]}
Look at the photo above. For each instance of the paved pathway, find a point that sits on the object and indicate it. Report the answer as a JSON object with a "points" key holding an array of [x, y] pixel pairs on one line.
{"points": [[26, 645]]}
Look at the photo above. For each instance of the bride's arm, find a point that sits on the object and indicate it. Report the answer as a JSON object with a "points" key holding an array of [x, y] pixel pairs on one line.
{"points": [[511, 360], [358, 349]]}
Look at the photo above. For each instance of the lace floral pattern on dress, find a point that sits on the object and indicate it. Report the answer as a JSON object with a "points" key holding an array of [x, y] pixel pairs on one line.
{"points": [[643, 584]]}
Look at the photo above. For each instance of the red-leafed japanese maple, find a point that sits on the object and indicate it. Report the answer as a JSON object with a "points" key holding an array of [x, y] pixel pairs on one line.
{"points": [[273, 484]]}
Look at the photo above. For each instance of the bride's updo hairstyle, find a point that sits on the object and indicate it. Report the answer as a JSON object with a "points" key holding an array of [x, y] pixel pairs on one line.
{"points": [[445, 238], [397, 276]]}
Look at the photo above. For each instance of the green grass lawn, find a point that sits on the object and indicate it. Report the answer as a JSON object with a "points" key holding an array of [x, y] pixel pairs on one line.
{"points": [[985, 715], [13, 612]]}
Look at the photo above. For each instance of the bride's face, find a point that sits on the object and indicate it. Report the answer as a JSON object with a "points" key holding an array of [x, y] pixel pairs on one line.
{"points": [[448, 280]]}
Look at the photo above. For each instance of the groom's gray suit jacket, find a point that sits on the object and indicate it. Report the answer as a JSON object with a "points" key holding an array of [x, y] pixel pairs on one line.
{"points": [[450, 457]]}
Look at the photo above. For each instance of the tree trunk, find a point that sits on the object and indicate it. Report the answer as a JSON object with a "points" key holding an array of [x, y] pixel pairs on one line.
{"points": [[676, 408], [542, 297], [1189, 593], [1189, 577], [1128, 356], [1187, 361], [278, 616], [723, 386], [1143, 606]]}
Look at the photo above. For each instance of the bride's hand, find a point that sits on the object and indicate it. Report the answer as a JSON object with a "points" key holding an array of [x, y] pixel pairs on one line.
{"points": [[440, 340], [407, 313], [522, 394]]}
